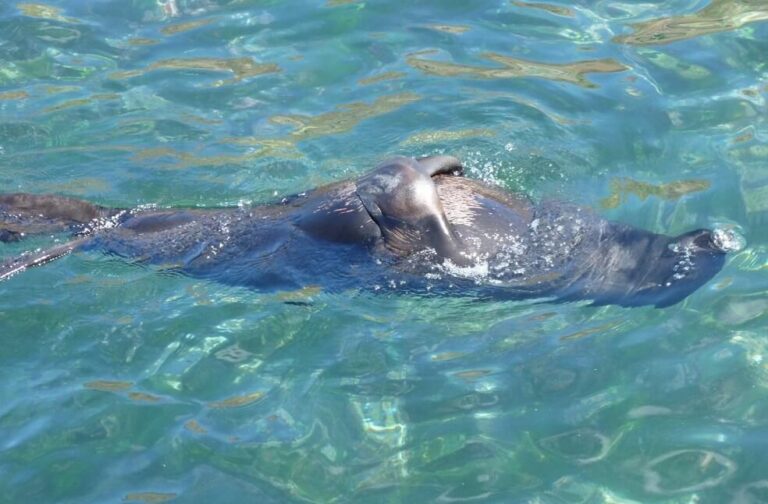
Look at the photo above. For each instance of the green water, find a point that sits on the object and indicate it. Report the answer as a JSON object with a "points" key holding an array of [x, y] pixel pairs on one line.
{"points": [[126, 384]]}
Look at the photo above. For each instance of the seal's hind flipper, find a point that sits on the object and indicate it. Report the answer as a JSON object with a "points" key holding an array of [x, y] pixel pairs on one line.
{"points": [[31, 259], [401, 197], [30, 214]]}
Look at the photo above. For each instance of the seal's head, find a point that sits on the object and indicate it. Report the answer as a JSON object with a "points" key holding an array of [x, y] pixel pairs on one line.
{"points": [[641, 268], [689, 261]]}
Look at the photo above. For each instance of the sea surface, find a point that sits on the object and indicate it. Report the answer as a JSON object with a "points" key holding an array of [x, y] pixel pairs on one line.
{"points": [[124, 383]]}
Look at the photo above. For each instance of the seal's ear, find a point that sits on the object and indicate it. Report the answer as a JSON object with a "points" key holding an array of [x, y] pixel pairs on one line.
{"points": [[440, 165]]}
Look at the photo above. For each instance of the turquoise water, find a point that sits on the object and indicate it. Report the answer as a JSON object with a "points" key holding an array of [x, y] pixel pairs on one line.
{"points": [[123, 383]]}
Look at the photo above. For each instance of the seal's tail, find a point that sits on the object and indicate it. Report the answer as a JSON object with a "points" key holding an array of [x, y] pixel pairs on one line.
{"points": [[32, 214]]}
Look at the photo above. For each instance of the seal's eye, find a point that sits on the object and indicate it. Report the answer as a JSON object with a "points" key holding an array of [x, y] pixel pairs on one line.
{"points": [[701, 240], [704, 241]]}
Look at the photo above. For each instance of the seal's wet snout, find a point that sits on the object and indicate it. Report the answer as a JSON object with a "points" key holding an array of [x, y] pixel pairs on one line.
{"points": [[634, 267], [690, 261]]}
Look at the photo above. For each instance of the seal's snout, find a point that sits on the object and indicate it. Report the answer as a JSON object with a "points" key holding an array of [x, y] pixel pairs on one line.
{"points": [[718, 241], [701, 240], [686, 262], [728, 239]]}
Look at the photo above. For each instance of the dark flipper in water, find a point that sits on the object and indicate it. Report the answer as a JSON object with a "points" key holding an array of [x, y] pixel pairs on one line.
{"points": [[32, 259], [33, 214]]}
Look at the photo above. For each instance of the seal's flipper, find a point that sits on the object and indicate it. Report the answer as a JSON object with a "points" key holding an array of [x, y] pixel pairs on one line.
{"points": [[402, 199], [9, 235], [31, 259], [28, 214]]}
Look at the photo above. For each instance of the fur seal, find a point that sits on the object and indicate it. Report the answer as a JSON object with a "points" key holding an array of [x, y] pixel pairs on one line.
{"points": [[415, 224]]}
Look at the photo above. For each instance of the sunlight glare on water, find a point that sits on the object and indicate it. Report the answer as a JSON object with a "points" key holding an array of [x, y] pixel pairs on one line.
{"points": [[122, 383]]}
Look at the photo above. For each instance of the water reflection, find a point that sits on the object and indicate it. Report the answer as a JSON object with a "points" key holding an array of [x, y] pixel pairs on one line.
{"points": [[237, 401], [43, 11], [453, 29], [385, 76], [717, 16], [752, 493], [442, 136], [149, 497], [14, 95], [241, 68], [551, 8], [184, 27], [583, 446], [621, 188], [683, 471], [343, 119], [79, 102], [573, 73]]}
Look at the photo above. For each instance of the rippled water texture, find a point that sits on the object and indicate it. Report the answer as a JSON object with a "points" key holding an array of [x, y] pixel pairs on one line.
{"points": [[124, 383]]}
